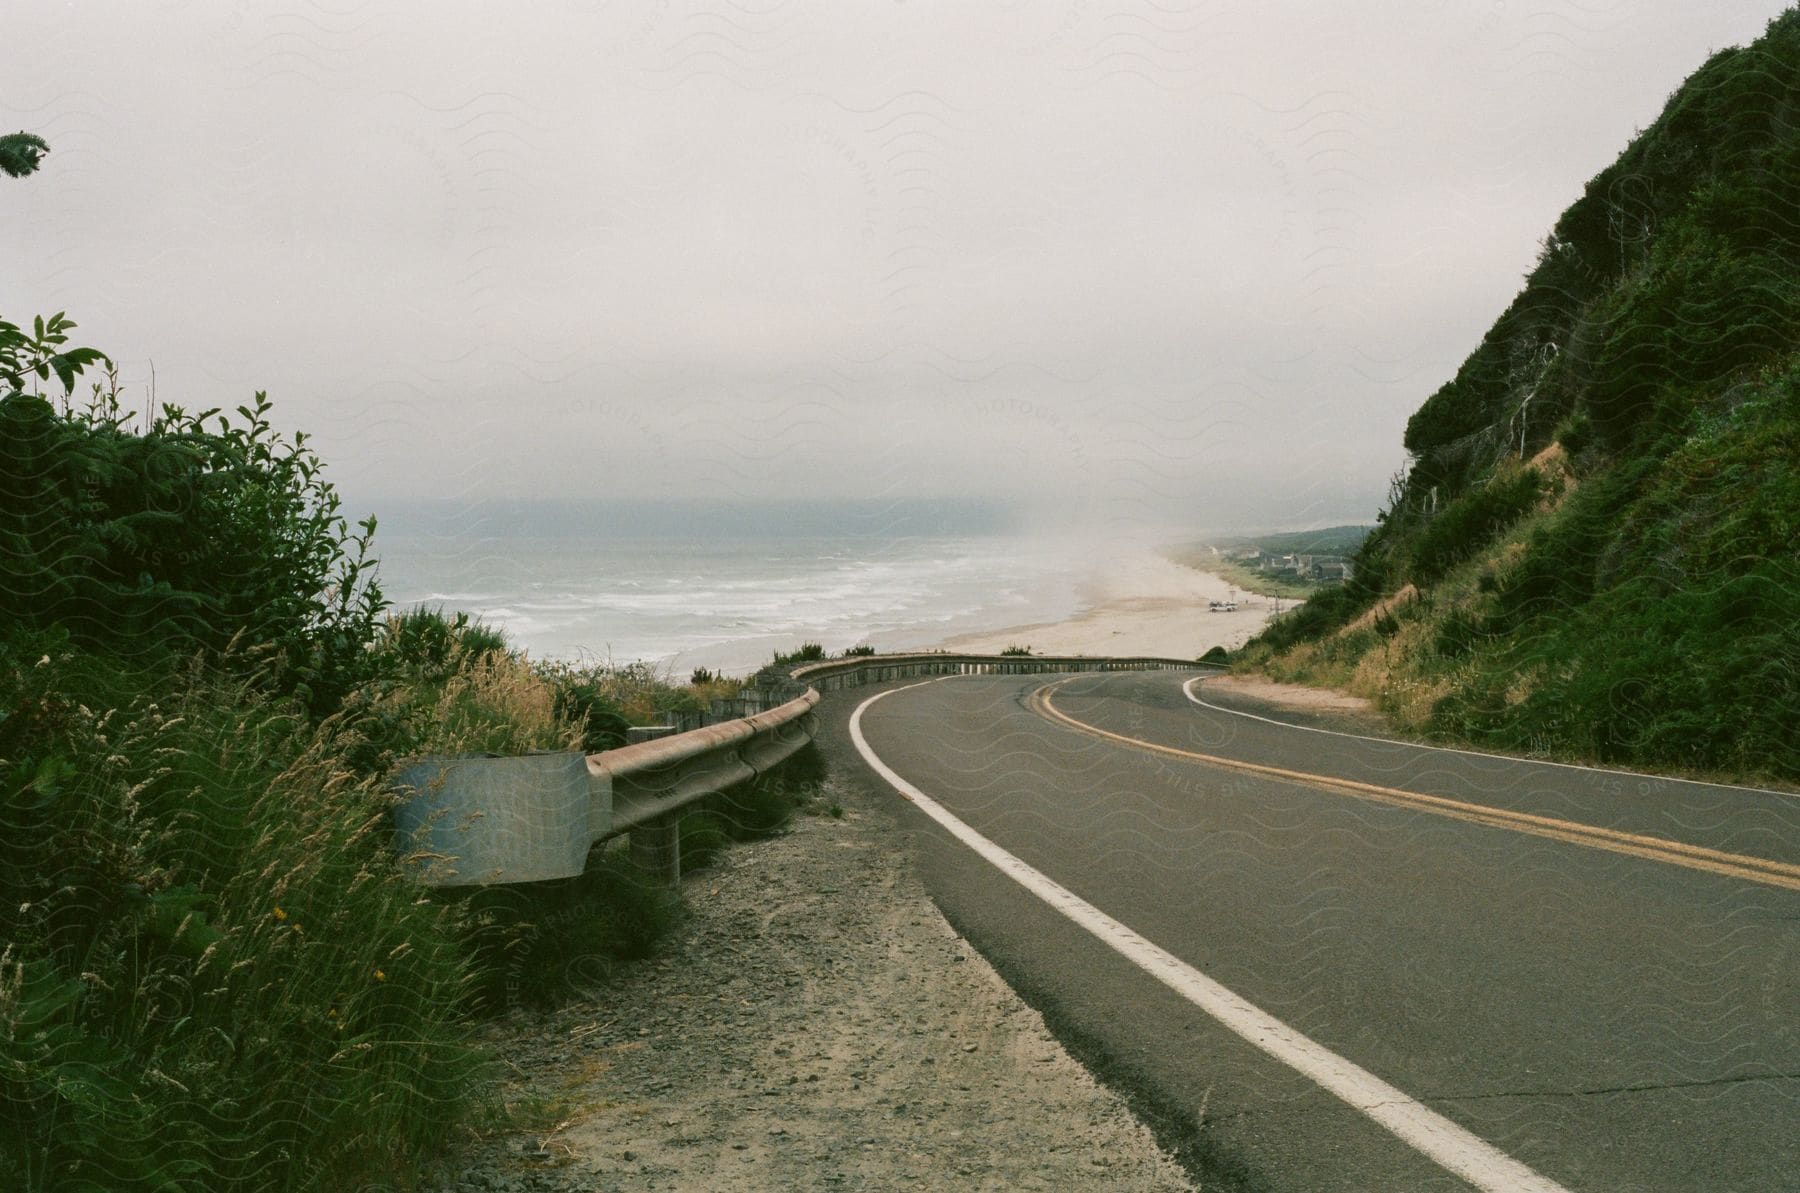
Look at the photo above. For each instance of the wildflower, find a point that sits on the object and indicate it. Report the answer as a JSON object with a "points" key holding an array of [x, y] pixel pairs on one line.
{"points": [[380, 976], [280, 914]]}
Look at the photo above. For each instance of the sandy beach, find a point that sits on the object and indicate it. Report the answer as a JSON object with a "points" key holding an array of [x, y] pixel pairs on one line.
{"points": [[1140, 604]]}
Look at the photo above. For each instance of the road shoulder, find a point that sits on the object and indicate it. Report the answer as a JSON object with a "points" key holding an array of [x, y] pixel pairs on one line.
{"points": [[816, 1024]]}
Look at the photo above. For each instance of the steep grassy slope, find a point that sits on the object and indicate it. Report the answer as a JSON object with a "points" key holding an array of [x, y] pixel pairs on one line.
{"points": [[1593, 550]]}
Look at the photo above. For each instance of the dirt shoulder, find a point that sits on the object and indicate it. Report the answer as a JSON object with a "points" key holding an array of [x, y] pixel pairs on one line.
{"points": [[816, 1024], [1291, 695]]}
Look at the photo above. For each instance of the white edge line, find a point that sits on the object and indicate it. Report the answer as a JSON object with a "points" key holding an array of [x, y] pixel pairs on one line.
{"points": [[1188, 691], [1468, 1156]]}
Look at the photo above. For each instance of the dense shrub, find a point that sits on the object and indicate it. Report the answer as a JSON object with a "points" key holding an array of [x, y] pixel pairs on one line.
{"points": [[1458, 633], [806, 652], [608, 698], [602, 724], [214, 975], [1322, 613], [195, 531], [426, 642], [704, 835], [1472, 521], [539, 944]]}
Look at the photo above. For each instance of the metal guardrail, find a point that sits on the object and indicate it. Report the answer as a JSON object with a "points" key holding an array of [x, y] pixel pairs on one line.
{"points": [[478, 821], [866, 669]]}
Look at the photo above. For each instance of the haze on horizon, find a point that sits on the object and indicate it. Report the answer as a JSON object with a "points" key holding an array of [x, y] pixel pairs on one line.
{"points": [[1134, 264]]}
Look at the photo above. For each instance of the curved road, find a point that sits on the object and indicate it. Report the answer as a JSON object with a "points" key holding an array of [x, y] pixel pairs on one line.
{"points": [[1317, 961]]}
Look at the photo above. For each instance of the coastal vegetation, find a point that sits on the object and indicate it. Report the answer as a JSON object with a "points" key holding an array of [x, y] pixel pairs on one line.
{"points": [[212, 972], [1328, 540], [806, 652], [1290, 565], [1592, 551], [1249, 579]]}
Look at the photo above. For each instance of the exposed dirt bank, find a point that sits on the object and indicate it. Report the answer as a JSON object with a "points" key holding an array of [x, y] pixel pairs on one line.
{"points": [[1289, 695]]}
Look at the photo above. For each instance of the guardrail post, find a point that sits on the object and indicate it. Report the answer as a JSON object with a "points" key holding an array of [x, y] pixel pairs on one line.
{"points": [[656, 848]]}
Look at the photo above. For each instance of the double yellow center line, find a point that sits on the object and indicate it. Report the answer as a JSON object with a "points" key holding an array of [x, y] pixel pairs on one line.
{"points": [[1657, 849]]}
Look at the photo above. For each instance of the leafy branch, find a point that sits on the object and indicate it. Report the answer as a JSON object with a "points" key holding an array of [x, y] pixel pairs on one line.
{"points": [[40, 352], [20, 153]]}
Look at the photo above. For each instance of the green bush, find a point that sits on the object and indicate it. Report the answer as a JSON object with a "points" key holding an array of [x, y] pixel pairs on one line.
{"points": [[704, 836], [182, 537], [214, 974], [766, 803], [1472, 521], [426, 642], [1319, 615], [1457, 634], [602, 723], [542, 943], [1575, 433], [609, 698], [806, 652], [1700, 679], [757, 808]]}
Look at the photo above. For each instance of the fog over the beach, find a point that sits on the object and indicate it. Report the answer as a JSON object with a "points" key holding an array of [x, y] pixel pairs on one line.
{"points": [[1150, 264]]}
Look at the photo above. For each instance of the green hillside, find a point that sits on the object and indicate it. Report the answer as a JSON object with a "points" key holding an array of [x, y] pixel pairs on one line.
{"points": [[1592, 550], [1331, 540]]}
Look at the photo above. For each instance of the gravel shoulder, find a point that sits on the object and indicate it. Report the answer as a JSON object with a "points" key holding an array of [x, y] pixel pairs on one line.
{"points": [[815, 1024], [1292, 695]]}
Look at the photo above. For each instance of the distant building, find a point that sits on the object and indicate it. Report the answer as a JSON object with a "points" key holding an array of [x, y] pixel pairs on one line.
{"points": [[1283, 565]]}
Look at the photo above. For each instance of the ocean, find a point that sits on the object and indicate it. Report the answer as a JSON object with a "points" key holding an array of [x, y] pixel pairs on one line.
{"points": [[691, 584]]}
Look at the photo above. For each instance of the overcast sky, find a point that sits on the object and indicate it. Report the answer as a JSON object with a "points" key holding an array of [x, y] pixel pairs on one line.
{"points": [[1150, 262]]}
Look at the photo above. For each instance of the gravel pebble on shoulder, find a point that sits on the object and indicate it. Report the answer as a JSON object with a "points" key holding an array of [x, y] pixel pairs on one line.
{"points": [[814, 1024]]}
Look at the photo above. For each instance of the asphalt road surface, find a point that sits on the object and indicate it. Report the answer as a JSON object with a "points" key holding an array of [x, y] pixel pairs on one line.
{"points": [[1319, 962]]}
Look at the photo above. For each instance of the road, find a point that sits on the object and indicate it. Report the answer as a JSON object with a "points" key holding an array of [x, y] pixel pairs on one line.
{"points": [[1320, 962]]}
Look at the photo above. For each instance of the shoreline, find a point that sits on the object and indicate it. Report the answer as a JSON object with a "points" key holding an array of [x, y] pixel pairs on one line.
{"points": [[1146, 604], [1134, 602], [1142, 600]]}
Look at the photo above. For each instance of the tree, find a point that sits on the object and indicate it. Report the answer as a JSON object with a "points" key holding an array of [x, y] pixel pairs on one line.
{"points": [[20, 153]]}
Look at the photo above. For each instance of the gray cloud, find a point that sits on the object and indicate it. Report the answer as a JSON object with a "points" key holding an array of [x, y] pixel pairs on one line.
{"points": [[1151, 263]]}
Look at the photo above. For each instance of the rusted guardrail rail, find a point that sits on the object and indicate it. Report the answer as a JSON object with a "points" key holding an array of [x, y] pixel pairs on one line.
{"points": [[478, 821]]}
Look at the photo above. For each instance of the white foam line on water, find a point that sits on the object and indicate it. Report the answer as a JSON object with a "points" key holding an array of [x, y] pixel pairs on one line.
{"points": [[1468, 1156], [1188, 690]]}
